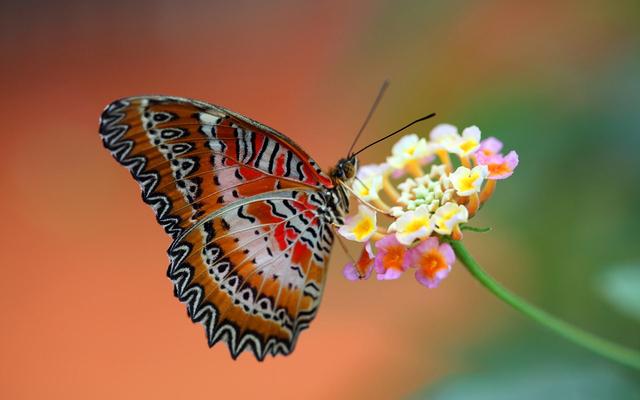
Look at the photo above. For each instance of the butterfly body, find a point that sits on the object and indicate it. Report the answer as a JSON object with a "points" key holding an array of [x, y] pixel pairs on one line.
{"points": [[249, 212]]}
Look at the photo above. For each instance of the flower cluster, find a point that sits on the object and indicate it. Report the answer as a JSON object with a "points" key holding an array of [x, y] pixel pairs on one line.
{"points": [[427, 196]]}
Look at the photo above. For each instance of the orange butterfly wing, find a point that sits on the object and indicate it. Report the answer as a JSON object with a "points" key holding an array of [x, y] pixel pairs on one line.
{"points": [[246, 207]]}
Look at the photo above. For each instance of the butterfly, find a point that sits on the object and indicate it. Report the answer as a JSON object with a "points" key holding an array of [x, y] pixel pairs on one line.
{"points": [[249, 212]]}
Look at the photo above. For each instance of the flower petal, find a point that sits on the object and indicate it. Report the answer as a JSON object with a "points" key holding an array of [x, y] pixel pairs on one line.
{"points": [[448, 216], [391, 255], [413, 224], [447, 251], [359, 227], [389, 274], [349, 271], [490, 146], [499, 166], [443, 132]]}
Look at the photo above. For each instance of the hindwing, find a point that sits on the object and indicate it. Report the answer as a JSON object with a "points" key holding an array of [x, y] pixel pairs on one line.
{"points": [[253, 272]]}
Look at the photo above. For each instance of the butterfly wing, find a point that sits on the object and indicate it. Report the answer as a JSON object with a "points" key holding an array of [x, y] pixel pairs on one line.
{"points": [[214, 178], [192, 158], [253, 272]]}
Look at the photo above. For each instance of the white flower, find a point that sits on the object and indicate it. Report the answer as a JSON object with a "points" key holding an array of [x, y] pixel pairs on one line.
{"points": [[369, 181], [445, 136], [359, 227], [367, 189], [409, 148], [469, 142], [412, 225], [448, 216], [468, 181]]}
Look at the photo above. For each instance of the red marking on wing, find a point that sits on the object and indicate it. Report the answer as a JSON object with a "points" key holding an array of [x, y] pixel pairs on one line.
{"points": [[279, 170], [301, 253], [280, 236]]}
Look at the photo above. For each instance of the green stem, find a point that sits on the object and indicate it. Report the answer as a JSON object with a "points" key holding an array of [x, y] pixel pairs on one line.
{"points": [[621, 354]]}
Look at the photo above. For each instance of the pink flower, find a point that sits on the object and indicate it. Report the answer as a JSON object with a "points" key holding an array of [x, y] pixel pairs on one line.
{"points": [[392, 258], [362, 268], [490, 146], [500, 167], [432, 262]]}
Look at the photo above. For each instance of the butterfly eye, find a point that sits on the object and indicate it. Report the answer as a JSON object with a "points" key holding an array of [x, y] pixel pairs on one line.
{"points": [[349, 168]]}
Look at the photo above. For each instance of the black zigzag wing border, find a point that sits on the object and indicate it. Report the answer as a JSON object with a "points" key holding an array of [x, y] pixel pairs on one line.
{"points": [[112, 132]]}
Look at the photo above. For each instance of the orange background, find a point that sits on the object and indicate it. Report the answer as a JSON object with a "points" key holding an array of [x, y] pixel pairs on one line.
{"points": [[87, 311]]}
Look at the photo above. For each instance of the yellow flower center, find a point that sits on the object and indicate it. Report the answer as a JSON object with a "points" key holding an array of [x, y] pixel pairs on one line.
{"points": [[416, 224], [466, 183], [450, 214], [363, 228], [468, 145]]}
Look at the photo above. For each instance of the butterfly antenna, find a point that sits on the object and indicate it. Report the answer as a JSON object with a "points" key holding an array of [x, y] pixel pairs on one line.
{"points": [[394, 132], [383, 88]]}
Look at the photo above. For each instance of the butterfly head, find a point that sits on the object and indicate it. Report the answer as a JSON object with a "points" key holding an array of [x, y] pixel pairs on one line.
{"points": [[345, 170]]}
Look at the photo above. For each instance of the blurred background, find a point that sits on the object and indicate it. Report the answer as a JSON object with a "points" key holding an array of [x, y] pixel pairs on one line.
{"points": [[87, 311]]}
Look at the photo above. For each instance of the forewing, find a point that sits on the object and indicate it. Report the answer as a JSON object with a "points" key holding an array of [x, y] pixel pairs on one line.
{"points": [[253, 272], [192, 158]]}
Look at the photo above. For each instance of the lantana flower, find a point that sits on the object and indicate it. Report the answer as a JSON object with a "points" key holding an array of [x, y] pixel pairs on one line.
{"points": [[448, 217], [409, 149], [392, 258], [446, 137], [361, 226], [426, 208], [498, 166], [469, 142], [490, 146], [432, 261], [468, 181], [412, 225], [369, 181]]}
